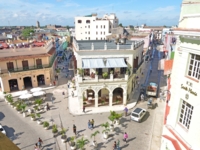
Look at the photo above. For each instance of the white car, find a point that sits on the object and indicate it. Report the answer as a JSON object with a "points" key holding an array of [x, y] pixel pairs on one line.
{"points": [[2, 130], [137, 114]]}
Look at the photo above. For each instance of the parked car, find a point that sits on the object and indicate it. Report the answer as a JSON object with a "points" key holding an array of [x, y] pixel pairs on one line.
{"points": [[137, 114], [2, 129]]}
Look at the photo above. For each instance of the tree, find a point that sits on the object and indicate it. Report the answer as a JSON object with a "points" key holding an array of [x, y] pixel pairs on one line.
{"points": [[81, 143], [120, 25], [67, 27], [27, 32]]}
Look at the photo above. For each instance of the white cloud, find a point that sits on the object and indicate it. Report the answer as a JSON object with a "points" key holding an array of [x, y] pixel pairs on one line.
{"points": [[164, 9], [71, 4], [15, 15]]}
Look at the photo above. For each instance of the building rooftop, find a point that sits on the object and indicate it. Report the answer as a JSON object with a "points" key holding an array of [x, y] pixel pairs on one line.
{"points": [[100, 45]]}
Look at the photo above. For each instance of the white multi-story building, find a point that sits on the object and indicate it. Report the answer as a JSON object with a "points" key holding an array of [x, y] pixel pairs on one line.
{"points": [[93, 28], [107, 72], [182, 130]]}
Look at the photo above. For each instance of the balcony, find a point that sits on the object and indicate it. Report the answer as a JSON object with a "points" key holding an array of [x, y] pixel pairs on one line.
{"points": [[13, 70], [101, 78], [28, 68]]}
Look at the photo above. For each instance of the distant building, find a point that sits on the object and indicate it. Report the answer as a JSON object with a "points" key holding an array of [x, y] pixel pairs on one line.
{"points": [[53, 26], [38, 24], [93, 28]]}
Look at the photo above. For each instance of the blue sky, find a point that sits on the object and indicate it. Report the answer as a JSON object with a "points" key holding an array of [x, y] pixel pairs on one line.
{"points": [[62, 12]]}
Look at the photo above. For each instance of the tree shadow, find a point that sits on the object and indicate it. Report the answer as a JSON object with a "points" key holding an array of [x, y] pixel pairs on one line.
{"points": [[118, 131], [1, 116], [80, 131], [124, 125], [109, 140], [123, 120]]}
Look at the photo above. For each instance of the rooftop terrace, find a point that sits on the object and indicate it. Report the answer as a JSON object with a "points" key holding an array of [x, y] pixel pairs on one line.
{"points": [[106, 45]]}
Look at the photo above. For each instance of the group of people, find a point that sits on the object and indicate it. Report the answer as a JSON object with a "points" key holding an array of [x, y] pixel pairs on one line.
{"points": [[116, 144], [38, 145], [91, 124]]}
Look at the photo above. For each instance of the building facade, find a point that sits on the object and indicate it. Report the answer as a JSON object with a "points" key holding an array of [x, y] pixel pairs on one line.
{"points": [[26, 65], [181, 130], [93, 28], [107, 72]]}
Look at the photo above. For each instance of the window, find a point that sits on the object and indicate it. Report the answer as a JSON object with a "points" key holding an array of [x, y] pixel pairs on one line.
{"points": [[87, 21], [194, 66], [185, 114], [85, 32], [10, 66], [88, 32], [96, 33], [39, 63], [101, 26], [104, 26], [79, 21], [96, 38], [97, 26], [88, 26], [101, 32], [110, 26], [86, 38], [85, 26], [25, 64], [104, 33]]}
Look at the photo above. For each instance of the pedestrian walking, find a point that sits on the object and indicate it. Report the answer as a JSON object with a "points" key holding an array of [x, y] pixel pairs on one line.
{"points": [[54, 83], [125, 137], [52, 99], [89, 124], [68, 85], [115, 145], [40, 142], [118, 143], [92, 123], [83, 108], [126, 111], [142, 97], [72, 93], [74, 129], [63, 93], [48, 108]]}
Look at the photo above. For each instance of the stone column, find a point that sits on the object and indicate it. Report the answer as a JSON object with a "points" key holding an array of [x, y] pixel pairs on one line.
{"points": [[124, 98], [96, 100], [110, 99]]}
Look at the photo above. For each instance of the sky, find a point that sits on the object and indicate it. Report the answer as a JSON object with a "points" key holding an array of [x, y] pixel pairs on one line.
{"points": [[62, 12]]}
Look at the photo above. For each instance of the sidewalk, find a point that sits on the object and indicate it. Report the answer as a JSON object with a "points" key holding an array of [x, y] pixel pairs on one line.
{"points": [[74, 104]]}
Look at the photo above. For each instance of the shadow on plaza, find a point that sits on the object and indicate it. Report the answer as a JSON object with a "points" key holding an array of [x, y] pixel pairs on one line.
{"points": [[10, 133], [43, 144], [1, 116]]}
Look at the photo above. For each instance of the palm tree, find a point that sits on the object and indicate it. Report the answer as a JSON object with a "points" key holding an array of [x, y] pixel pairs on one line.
{"points": [[38, 101], [94, 134], [106, 126], [81, 143]]}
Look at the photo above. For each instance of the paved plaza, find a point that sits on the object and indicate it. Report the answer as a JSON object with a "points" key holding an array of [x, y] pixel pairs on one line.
{"points": [[142, 136]]}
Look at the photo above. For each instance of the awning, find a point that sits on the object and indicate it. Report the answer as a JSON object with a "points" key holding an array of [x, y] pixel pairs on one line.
{"points": [[115, 63], [92, 63]]}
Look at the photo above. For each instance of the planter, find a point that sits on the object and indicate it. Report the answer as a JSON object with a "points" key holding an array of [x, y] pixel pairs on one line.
{"points": [[46, 128], [105, 135], [94, 143], [73, 146], [33, 119], [117, 122], [55, 134], [39, 122], [12, 106], [30, 111], [15, 108], [19, 112], [63, 138], [24, 114], [111, 128]]}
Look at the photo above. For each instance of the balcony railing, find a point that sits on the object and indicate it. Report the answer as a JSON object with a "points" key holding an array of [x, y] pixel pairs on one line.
{"points": [[24, 69]]}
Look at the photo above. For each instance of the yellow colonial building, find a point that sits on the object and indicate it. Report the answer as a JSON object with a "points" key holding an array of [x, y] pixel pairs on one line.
{"points": [[26, 65]]}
